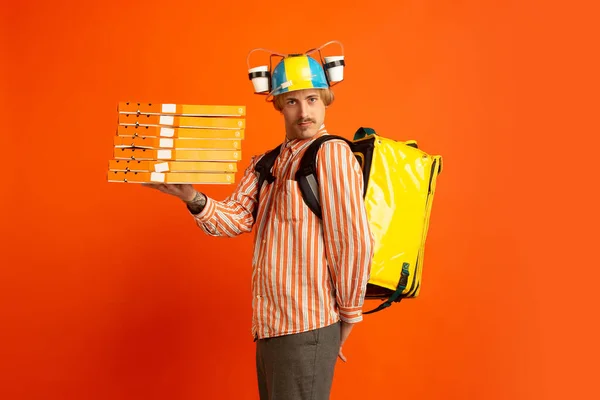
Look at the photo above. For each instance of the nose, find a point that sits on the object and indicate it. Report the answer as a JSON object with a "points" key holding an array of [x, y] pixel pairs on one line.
{"points": [[303, 109]]}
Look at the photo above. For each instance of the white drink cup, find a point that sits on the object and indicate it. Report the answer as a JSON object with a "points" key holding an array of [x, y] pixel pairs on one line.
{"points": [[261, 84], [335, 74]]}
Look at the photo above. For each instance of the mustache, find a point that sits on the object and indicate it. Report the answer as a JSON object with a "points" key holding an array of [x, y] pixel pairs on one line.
{"points": [[303, 120]]}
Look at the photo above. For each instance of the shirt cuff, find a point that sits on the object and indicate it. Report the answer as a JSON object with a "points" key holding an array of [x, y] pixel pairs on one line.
{"points": [[207, 212], [351, 315]]}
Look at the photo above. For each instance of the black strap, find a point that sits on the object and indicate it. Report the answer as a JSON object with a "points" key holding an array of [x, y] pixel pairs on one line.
{"points": [[307, 173], [396, 296], [263, 172], [258, 74], [332, 64]]}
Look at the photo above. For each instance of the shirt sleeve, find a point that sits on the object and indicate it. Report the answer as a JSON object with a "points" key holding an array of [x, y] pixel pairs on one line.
{"points": [[233, 215], [346, 230]]}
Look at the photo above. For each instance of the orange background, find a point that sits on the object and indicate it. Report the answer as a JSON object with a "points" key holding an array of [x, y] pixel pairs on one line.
{"points": [[109, 291]]}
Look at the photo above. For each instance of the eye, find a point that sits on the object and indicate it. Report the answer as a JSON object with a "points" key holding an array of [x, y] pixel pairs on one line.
{"points": [[312, 99]]}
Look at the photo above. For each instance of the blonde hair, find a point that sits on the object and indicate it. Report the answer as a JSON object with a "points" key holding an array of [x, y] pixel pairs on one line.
{"points": [[325, 94]]}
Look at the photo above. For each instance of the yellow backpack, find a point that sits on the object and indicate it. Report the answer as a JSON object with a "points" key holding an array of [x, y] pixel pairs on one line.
{"points": [[399, 186]]}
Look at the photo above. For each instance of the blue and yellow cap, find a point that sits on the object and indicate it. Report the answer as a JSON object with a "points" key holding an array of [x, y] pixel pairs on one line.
{"points": [[297, 72]]}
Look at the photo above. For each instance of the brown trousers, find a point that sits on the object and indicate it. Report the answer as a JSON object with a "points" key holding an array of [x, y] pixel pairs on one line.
{"points": [[298, 366]]}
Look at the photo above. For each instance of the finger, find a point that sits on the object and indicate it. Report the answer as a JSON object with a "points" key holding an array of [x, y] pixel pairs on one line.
{"points": [[157, 186], [170, 189], [164, 188], [341, 355]]}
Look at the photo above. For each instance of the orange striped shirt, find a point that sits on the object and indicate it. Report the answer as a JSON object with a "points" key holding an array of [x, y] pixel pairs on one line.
{"points": [[307, 273]]}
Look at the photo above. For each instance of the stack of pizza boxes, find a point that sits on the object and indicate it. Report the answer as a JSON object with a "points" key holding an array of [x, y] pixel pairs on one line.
{"points": [[176, 143]]}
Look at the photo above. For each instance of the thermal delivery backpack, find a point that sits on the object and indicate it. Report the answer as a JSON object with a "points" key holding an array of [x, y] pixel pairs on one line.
{"points": [[399, 185]]}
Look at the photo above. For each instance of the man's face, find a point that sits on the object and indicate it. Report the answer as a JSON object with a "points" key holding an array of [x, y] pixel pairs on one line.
{"points": [[304, 113]]}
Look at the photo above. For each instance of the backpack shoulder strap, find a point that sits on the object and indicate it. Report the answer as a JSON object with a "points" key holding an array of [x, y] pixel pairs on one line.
{"points": [[262, 169], [307, 173]]}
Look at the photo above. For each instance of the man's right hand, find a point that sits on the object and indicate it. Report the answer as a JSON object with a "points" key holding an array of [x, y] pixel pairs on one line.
{"points": [[185, 192], [346, 328]]}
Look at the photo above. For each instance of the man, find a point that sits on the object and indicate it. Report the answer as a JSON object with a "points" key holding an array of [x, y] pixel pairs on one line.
{"points": [[309, 274]]}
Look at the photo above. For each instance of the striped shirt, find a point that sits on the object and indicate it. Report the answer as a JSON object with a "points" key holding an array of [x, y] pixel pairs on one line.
{"points": [[307, 273]]}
